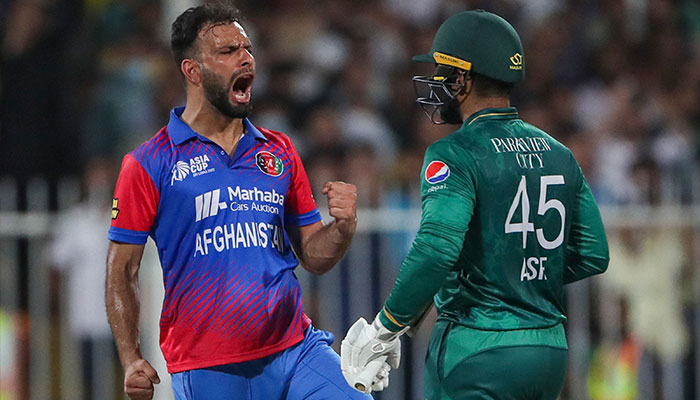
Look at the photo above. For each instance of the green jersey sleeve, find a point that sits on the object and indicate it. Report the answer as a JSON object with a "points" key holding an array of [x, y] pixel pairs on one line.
{"points": [[587, 251], [448, 194]]}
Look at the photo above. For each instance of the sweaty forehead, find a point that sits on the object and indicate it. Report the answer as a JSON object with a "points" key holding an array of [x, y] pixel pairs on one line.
{"points": [[229, 34]]}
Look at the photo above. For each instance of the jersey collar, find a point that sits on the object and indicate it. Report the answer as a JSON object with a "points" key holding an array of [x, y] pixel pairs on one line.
{"points": [[180, 132], [492, 113]]}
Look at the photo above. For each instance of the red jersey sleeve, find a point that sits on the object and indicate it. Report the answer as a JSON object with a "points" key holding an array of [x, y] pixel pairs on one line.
{"points": [[300, 207], [135, 204]]}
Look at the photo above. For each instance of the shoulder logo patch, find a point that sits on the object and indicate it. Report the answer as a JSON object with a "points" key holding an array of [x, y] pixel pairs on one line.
{"points": [[115, 208], [269, 163], [436, 172]]}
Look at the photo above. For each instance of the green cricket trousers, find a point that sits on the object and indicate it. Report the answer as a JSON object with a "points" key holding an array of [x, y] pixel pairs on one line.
{"points": [[470, 364]]}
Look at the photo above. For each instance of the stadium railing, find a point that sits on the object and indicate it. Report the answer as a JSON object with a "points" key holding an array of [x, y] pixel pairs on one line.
{"points": [[37, 358]]}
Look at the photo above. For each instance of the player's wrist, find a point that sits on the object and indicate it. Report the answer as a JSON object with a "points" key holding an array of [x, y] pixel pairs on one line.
{"points": [[385, 329], [130, 358], [342, 230], [346, 226], [130, 365], [388, 322]]}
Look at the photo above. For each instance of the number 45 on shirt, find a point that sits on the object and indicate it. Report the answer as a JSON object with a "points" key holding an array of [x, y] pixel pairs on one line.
{"points": [[522, 201]]}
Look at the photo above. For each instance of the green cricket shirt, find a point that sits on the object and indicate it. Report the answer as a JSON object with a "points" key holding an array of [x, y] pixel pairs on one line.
{"points": [[507, 220]]}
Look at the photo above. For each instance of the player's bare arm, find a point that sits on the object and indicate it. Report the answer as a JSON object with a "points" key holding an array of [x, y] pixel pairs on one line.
{"points": [[122, 298], [319, 247]]}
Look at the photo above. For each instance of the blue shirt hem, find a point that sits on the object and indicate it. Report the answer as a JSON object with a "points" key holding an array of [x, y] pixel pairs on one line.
{"points": [[127, 236], [303, 219]]}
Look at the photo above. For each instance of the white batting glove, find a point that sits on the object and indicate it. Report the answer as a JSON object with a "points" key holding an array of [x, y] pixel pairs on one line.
{"points": [[381, 379], [368, 353], [373, 377]]}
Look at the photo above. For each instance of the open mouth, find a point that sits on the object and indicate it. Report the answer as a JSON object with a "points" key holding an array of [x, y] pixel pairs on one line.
{"points": [[242, 88]]}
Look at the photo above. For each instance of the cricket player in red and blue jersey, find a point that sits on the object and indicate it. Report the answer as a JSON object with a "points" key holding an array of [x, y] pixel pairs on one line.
{"points": [[230, 209]]}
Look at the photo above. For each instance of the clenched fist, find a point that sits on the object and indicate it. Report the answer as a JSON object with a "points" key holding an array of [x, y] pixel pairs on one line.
{"points": [[139, 378], [342, 204]]}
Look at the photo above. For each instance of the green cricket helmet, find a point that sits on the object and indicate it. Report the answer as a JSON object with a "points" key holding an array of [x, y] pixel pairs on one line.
{"points": [[472, 41]]}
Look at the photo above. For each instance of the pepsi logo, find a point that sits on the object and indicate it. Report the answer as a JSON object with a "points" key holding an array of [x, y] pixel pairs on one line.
{"points": [[436, 172]]}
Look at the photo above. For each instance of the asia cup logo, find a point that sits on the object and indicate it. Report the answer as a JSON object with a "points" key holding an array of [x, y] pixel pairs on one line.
{"points": [[436, 172], [180, 171], [269, 163]]}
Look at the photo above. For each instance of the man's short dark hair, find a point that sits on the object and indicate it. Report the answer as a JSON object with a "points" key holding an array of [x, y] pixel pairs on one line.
{"points": [[489, 87], [186, 28]]}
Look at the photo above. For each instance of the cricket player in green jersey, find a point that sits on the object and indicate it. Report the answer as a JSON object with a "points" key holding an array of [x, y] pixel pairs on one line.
{"points": [[508, 219]]}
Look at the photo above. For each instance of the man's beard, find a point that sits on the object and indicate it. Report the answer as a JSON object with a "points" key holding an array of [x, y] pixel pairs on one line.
{"points": [[217, 93], [450, 112]]}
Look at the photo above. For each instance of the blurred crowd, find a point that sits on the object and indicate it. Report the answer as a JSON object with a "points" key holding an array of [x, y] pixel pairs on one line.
{"points": [[618, 81]]}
